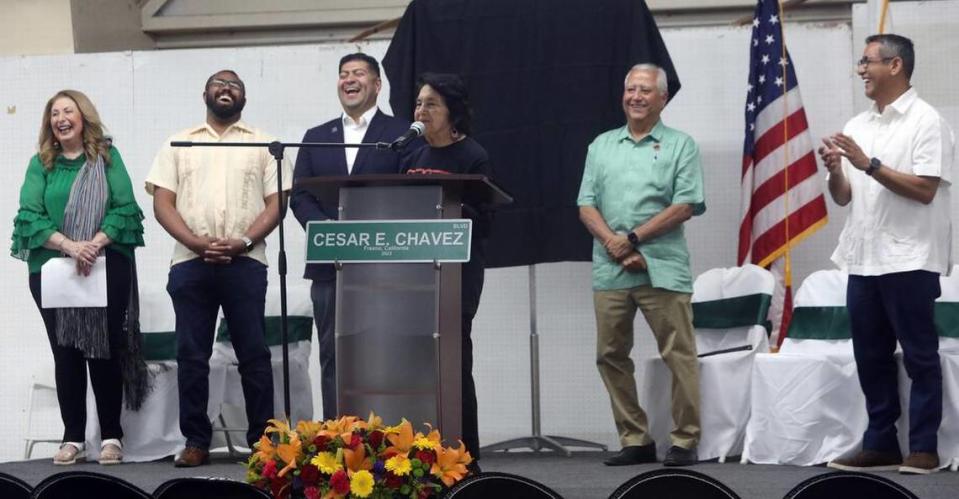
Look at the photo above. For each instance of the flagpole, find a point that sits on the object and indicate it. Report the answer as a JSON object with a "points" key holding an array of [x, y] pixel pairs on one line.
{"points": [[787, 271], [882, 16]]}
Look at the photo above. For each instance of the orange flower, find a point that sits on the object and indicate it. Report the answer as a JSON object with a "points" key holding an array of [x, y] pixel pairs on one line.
{"points": [[264, 449], [290, 453], [342, 428], [308, 429], [401, 436], [450, 465], [356, 460]]}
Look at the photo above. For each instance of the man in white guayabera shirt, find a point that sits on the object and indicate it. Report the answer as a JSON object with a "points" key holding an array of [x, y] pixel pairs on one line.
{"points": [[893, 163]]}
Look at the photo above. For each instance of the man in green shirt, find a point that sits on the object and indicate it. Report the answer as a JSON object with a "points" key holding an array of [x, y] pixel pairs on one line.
{"points": [[641, 182]]}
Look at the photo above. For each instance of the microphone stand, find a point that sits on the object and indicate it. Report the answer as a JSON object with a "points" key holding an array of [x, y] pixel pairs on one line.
{"points": [[276, 150]]}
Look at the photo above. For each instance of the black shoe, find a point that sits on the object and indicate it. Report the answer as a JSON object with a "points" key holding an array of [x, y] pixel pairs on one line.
{"points": [[678, 456], [633, 454]]}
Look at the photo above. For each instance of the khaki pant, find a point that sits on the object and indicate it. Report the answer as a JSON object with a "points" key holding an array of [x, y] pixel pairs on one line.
{"points": [[670, 317]]}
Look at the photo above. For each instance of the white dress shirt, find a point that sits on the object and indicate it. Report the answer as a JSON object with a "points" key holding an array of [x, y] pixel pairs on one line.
{"points": [[353, 132], [886, 232]]}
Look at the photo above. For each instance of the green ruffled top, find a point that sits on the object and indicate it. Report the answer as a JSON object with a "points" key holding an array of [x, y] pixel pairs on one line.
{"points": [[44, 196]]}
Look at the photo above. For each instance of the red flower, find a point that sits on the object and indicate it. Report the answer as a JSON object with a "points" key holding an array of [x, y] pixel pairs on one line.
{"points": [[425, 492], [279, 488], [309, 474], [355, 441], [340, 482], [426, 456], [311, 493], [393, 481], [375, 438], [269, 469], [321, 441]]}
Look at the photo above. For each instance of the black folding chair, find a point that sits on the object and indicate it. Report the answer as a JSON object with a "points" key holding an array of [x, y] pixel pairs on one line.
{"points": [[74, 484], [670, 482], [849, 484], [500, 486], [12, 487], [208, 488]]}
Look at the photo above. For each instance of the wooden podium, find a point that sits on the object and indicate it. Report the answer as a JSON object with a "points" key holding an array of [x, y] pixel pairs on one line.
{"points": [[398, 332]]}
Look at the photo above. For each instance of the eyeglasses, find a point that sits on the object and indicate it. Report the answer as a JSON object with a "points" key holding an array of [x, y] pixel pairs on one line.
{"points": [[234, 84], [865, 61]]}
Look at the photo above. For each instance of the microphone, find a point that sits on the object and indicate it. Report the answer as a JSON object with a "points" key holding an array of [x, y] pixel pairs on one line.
{"points": [[416, 129]]}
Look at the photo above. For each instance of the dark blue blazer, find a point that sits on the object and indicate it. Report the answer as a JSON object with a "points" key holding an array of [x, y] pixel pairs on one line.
{"points": [[316, 162]]}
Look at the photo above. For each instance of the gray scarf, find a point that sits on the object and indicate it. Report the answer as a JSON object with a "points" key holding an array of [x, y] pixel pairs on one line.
{"points": [[85, 328]]}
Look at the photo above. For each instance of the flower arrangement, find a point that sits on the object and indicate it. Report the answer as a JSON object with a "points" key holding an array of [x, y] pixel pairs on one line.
{"points": [[352, 458]]}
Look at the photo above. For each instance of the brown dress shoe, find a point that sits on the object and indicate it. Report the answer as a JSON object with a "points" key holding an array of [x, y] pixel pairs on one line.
{"points": [[868, 460], [191, 457], [920, 463]]}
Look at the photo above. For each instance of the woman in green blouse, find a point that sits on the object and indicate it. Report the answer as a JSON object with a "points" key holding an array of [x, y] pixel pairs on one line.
{"points": [[77, 201]]}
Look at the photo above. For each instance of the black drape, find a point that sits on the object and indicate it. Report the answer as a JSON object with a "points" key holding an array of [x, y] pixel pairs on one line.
{"points": [[545, 77]]}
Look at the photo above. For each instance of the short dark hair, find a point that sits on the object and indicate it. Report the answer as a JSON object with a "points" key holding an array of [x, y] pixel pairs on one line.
{"points": [[896, 46], [360, 56], [455, 95], [208, 80]]}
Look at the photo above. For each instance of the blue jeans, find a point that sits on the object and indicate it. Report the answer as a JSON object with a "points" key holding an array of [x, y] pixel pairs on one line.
{"points": [[882, 310], [198, 290]]}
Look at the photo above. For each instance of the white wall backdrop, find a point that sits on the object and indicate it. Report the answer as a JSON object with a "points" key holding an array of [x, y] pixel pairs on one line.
{"points": [[145, 96]]}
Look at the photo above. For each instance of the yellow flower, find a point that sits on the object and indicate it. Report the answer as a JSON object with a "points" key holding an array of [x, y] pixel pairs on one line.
{"points": [[422, 443], [400, 465], [326, 462], [361, 483]]}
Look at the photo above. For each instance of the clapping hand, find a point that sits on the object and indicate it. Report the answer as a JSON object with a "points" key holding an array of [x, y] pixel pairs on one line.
{"points": [[831, 155], [849, 149]]}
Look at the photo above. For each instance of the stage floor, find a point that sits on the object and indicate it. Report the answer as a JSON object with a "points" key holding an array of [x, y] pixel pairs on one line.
{"points": [[582, 476]]}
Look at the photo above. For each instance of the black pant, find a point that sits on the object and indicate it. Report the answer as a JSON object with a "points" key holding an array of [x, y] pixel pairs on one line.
{"points": [[71, 367], [472, 288], [323, 296], [198, 290], [882, 310]]}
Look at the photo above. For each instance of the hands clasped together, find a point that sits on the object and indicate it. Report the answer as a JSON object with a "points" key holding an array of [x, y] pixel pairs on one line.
{"points": [[84, 252], [219, 251], [620, 249]]}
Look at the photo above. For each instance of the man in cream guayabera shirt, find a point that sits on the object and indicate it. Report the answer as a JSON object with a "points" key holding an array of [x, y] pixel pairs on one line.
{"points": [[893, 164], [219, 203], [641, 182]]}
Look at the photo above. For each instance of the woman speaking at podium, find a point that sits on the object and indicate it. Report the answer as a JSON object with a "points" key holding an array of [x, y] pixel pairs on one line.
{"points": [[442, 105]]}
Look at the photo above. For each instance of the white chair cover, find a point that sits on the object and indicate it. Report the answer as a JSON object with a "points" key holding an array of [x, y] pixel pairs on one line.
{"points": [[807, 406], [946, 319], [724, 378]]}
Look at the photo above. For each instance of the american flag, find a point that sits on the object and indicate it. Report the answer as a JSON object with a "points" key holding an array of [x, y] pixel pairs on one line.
{"points": [[779, 166]]}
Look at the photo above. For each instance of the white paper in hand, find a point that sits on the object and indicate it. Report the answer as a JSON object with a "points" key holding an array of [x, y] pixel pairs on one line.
{"points": [[61, 286]]}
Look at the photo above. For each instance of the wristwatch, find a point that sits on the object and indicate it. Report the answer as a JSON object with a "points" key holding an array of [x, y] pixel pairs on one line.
{"points": [[248, 243], [874, 165], [633, 238]]}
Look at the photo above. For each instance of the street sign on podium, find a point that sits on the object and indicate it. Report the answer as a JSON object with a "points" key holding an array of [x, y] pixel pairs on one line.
{"points": [[398, 324], [399, 241]]}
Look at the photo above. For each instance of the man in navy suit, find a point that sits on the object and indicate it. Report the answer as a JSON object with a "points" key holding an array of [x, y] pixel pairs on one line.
{"points": [[358, 87]]}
